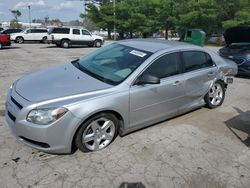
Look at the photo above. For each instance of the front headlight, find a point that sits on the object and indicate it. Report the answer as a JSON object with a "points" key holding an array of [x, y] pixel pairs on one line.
{"points": [[45, 116]]}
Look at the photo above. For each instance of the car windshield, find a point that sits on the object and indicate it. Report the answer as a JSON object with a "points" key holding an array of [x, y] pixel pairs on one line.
{"points": [[112, 64]]}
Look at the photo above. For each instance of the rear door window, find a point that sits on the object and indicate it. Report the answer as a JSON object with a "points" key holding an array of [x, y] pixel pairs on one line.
{"points": [[195, 60], [60, 30], [76, 32]]}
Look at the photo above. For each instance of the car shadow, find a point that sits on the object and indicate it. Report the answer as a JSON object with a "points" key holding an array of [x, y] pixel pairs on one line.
{"points": [[9, 48], [243, 77], [240, 124]]}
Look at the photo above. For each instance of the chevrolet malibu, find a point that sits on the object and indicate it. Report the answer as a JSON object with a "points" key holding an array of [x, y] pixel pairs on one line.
{"points": [[120, 88]]}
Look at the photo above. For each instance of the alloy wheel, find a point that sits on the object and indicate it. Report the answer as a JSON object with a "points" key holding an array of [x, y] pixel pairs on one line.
{"points": [[216, 94], [98, 134]]}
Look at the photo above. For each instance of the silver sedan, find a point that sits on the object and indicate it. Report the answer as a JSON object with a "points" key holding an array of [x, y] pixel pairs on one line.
{"points": [[117, 89]]}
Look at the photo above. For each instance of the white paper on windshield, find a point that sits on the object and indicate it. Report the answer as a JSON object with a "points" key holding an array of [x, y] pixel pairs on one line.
{"points": [[137, 53]]}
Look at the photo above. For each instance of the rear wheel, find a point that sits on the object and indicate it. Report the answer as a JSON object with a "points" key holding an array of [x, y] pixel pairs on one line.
{"points": [[44, 40], [65, 43], [216, 95], [19, 40], [97, 132]]}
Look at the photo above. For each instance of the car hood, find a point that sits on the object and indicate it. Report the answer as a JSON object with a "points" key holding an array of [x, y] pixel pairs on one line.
{"points": [[56, 82], [97, 37], [240, 34]]}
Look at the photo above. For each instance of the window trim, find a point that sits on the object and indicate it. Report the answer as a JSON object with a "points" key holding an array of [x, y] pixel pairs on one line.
{"points": [[200, 69], [76, 29], [155, 59], [85, 34]]}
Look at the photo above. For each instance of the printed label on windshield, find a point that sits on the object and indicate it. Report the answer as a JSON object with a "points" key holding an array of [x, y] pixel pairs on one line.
{"points": [[137, 53]]}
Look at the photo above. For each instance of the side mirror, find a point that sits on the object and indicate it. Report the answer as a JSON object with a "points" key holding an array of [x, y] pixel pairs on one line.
{"points": [[147, 79]]}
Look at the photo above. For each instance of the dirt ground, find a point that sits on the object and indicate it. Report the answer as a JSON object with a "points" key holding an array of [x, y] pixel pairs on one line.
{"points": [[204, 148]]}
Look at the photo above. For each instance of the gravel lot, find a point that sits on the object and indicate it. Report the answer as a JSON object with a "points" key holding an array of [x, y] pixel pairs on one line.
{"points": [[204, 148]]}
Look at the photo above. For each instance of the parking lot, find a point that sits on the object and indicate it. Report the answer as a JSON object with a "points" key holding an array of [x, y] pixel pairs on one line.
{"points": [[203, 148]]}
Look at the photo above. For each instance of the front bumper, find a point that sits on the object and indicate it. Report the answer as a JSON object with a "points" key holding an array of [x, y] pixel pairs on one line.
{"points": [[54, 138], [244, 69]]}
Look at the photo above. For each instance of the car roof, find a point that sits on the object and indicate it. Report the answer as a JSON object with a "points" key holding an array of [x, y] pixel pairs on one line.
{"points": [[68, 27], [154, 45]]}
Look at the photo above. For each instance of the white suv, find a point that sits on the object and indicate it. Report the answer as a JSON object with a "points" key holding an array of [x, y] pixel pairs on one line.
{"points": [[32, 34], [65, 37]]}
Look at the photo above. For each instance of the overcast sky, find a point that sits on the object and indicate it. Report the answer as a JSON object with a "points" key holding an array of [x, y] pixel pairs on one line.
{"points": [[65, 10]]}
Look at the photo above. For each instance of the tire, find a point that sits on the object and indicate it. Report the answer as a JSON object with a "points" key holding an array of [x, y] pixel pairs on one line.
{"points": [[98, 43], [58, 45], [97, 132], [1, 46], [215, 95], [65, 43], [44, 40], [20, 40]]}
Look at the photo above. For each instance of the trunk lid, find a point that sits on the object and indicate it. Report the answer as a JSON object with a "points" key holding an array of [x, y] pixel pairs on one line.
{"points": [[239, 34]]}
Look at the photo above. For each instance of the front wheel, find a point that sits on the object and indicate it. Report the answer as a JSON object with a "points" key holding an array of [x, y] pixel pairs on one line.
{"points": [[19, 40], [98, 43], [44, 40], [97, 132], [215, 95]]}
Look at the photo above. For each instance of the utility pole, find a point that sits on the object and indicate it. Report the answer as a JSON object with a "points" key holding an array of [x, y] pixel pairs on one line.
{"points": [[114, 20], [29, 15]]}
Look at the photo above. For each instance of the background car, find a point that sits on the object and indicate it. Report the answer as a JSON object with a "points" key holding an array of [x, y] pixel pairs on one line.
{"points": [[34, 34], [216, 39], [10, 31], [238, 48], [66, 37], [119, 88], [4, 40]]}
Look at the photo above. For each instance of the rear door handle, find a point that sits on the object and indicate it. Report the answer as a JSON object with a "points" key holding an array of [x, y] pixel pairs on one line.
{"points": [[176, 83]]}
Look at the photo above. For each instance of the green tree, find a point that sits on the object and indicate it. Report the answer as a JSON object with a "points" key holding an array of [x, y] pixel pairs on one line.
{"points": [[241, 15], [14, 22], [144, 17], [102, 16]]}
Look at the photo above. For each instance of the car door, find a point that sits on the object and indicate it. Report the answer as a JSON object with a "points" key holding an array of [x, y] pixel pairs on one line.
{"points": [[40, 34], [86, 37], [27, 35], [76, 37], [34, 34], [199, 72], [154, 102]]}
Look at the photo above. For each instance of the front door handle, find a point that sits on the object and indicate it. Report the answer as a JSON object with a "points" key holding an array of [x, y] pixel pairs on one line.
{"points": [[176, 83], [211, 74]]}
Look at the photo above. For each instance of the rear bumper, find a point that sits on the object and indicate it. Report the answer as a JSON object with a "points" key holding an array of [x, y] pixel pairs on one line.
{"points": [[6, 43]]}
